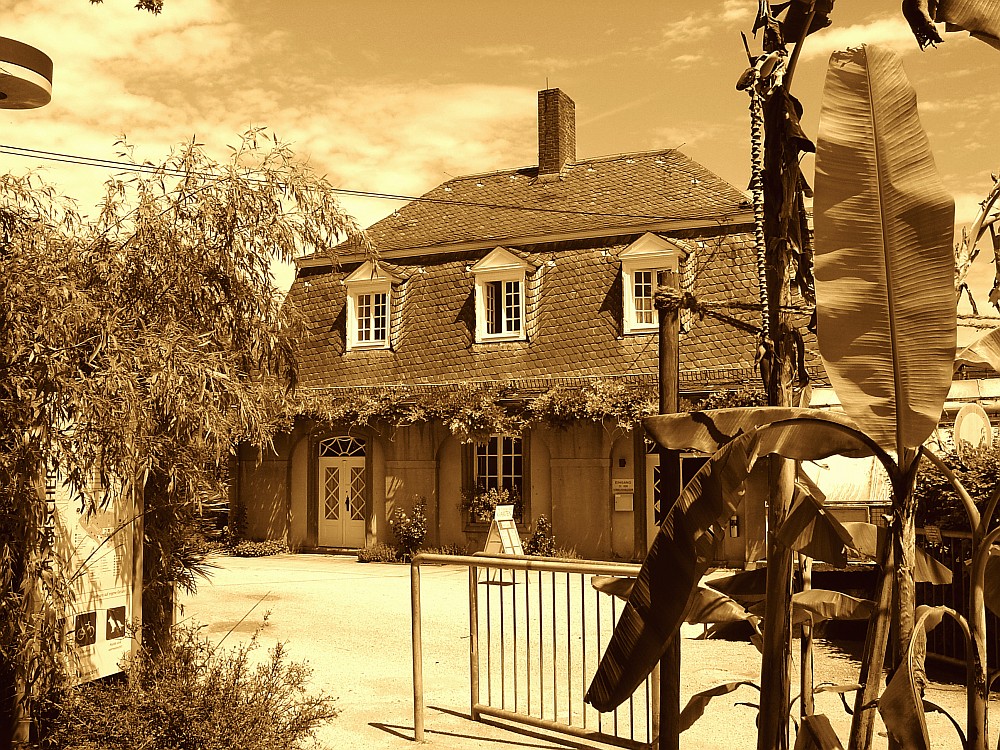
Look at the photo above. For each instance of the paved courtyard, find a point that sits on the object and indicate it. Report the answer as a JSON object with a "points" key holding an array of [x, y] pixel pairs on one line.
{"points": [[351, 622]]}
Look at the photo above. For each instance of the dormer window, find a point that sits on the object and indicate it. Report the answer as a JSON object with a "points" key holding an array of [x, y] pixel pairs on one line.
{"points": [[500, 282], [648, 263], [369, 300]]}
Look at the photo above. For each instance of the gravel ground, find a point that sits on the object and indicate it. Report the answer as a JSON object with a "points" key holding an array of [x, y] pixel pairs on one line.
{"points": [[351, 622]]}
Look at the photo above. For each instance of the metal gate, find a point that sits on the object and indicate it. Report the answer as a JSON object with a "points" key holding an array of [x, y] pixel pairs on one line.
{"points": [[537, 630]]}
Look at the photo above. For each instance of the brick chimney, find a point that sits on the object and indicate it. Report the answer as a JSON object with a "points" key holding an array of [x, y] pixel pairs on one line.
{"points": [[556, 131]]}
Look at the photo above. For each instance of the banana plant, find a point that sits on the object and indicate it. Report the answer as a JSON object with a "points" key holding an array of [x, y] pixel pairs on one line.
{"points": [[886, 326], [706, 606]]}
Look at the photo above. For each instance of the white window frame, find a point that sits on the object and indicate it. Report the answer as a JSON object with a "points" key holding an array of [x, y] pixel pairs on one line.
{"points": [[368, 281], [651, 255], [493, 273]]}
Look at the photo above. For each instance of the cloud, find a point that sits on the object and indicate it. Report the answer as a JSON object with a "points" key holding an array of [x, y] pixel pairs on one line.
{"points": [[190, 73], [500, 50], [737, 11], [889, 31], [617, 110], [688, 29], [686, 61]]}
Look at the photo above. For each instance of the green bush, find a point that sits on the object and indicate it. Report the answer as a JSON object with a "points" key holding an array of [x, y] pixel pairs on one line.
{"points": [[409, 531], [447, 549], [541, 543], [937, 503], [380, 552], [249, 548], [480, 504], [193, 696]]}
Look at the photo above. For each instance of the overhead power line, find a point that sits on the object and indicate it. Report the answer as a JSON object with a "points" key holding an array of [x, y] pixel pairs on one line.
{"points": [[148, 168]]}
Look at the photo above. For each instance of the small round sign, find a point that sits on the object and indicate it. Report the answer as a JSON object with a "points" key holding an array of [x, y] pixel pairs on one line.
{"points": [[973, 431]]}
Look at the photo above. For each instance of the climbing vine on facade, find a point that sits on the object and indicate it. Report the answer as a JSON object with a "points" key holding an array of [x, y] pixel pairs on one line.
{"points": [[475, 411]]}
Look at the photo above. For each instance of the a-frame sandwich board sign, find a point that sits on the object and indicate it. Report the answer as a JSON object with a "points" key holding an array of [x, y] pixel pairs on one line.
{"points": [[502, 539]]}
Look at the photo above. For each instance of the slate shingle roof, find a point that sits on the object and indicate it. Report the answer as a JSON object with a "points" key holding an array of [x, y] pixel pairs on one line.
{"points": [[576, 319], [574, 316], [626, 190]]}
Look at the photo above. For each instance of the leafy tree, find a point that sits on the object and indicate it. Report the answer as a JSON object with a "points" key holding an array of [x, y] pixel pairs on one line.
{"points": [[142, 346], [153, 6]]}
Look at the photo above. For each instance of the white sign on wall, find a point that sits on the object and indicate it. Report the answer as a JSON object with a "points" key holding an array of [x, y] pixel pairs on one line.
{"points": [[97, 550]]}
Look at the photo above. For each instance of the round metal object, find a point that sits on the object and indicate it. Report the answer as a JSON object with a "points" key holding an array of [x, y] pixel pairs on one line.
{"points": [[973, 431], [25, 76]]}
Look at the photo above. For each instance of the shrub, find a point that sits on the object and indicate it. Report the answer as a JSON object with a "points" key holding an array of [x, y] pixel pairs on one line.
{"points": [[193, 696], [409, 532], [566, 553], [249, 548], [380, 552], [480, 503], [937, 502], [541, 543], [447, 549]]}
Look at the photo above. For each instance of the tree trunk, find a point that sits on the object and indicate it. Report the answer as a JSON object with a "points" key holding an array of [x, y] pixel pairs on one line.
{"points": [[873, 660], [904, 542], [977, 677], [157, 583]]}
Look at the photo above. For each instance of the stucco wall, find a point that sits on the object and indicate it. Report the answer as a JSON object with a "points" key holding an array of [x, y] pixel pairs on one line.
{"points": [[579, 466], [261, 488], [298, 495]]}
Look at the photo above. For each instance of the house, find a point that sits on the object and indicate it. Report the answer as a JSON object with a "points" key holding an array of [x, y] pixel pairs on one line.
{"points": [[525, 293]]}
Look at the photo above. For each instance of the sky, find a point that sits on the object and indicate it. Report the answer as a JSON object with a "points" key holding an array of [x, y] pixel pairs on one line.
{"points": [[392, 96]]}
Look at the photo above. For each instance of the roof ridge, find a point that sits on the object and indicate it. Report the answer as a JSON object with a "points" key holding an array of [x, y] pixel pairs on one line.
{"points": [[570, 164]]}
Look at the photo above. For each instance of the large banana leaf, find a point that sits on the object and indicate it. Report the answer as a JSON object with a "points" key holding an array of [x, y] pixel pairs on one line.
{"points": [[707, 431], [819, 605], [811, 530], [699, 701], [682, 550], [705, 607], [979, 17], [884, 262], [901, 704], [991, 582], [983, 351], [867, 539]]}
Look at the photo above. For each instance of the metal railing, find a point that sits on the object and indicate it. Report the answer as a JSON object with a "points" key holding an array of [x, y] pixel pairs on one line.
{"points": [[947, 640], [537, 630]]}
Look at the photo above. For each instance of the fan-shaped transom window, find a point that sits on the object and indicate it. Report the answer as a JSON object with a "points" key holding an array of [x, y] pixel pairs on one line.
{"points": [[341, 446]]}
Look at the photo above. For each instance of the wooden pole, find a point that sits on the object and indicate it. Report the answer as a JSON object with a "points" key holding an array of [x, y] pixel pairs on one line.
{"points": [[670, 481]]}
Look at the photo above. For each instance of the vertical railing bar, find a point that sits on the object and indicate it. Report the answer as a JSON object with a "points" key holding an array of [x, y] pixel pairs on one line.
{"points": [[614, 606], [418, 654], [541, 650], [649, 710], [600, 648], [583, 646], [503, 646], [527, 630], [489, 640], [474, 641], [555, 651], [513, 606], [631, 717], [569, 655]]}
